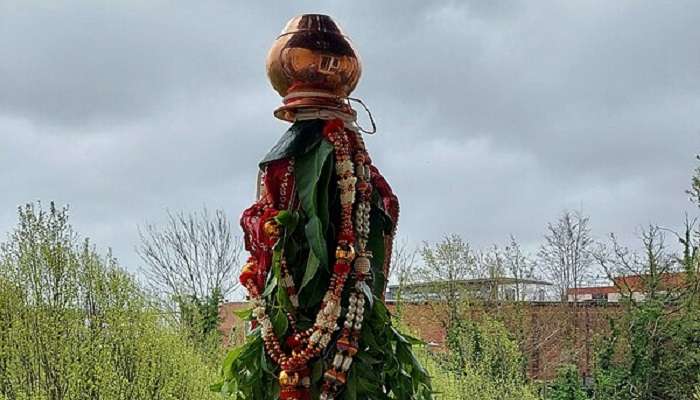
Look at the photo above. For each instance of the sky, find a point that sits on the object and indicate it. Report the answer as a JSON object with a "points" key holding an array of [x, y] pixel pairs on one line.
{"points": [[493, 117]]}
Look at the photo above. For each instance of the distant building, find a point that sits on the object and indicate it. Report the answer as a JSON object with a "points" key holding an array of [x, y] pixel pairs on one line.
{"points": [[634, 286], [232, 327], [487, 289]]}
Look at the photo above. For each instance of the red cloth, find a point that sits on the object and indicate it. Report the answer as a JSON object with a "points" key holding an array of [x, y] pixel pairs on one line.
{"points": [[274, 174], [266, 207], [389, 199], [391, 206]]}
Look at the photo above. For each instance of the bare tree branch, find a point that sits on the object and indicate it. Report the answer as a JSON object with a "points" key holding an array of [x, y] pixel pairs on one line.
{"points": [[191, 255], [566, 257]]}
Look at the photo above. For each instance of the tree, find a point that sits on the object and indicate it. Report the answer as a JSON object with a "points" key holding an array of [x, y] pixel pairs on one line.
{"points": [[519, 266], [403, 268], [483, 362], [652, 351], [566, 256], [694, 190], [446, 265], [650, 266], [75, 325], [690, 239], [490, 265], [193, 261]]}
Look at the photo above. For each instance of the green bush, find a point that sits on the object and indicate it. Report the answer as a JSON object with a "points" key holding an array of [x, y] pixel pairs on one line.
{"points": [[567, 386], [656, 354], [482, 363], [73, 325]]}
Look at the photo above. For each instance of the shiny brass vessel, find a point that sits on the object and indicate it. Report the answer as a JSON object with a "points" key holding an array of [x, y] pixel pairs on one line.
{"points": [[312, 64]]}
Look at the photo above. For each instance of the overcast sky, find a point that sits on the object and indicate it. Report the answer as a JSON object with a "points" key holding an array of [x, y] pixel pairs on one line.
{"points": [[493, 116]]}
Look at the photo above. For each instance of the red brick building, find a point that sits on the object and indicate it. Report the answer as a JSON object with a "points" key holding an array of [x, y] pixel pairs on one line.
{"points": [[635, 286], [232, 327]]}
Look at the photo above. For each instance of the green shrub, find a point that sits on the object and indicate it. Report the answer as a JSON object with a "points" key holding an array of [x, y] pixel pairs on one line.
{"points": [[482, 363], [655, 355], [73, 325], [567, 385], [653, 350]]}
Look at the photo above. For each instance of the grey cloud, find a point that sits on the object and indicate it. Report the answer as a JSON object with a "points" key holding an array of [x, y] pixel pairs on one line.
{"points": [[71, 62], [493, 116]]}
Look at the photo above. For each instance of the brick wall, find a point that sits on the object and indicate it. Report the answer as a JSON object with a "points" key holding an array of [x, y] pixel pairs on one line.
{"points": [[549, 333], [232, 327]]}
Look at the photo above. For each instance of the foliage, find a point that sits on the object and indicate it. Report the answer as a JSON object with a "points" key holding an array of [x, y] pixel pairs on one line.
{"points": [[200, 321], [567, 385], [482, 362], [73, 325], [652, 354], [519, 266], [387, 364], [653, 350], [445, 265], [403, 268], [694, 190]]}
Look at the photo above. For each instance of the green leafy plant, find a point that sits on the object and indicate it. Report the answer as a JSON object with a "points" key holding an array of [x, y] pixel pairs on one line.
{"points": [[491, 371], [567, 385], [74, 325]]}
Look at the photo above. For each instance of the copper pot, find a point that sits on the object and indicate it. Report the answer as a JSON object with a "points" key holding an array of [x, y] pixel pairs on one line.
{"points": [[312, 64]]}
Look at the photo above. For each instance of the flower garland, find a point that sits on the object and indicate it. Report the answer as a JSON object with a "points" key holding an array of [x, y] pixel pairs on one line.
{"points": [[348, 343], [352, 166]]}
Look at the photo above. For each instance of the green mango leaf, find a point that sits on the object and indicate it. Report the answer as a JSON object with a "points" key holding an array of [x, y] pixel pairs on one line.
{"points": [[283, 217], [417, 367], [310, 271], [308, 172], [366, 386], [299, 139], [281, 293], [229, 360], [283, 300], [368, 338], [375, 244], [317, 371], [367, 291], [265, 365], [366, 358], [287, 219], [275, 392], [399, 337], [381, 312], [413, 340], [291, 250], [351, 385], [230, 389], [279, 322], [314, 291], [271, 285], [323, 206], [315, 236], [245, 314]]}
